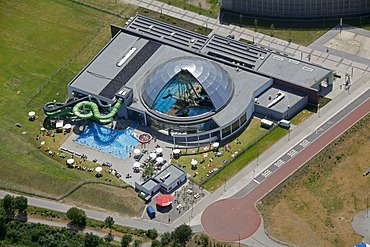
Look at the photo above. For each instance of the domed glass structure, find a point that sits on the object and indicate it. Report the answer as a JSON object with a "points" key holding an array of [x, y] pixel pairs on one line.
{"points": [[186, 87]]}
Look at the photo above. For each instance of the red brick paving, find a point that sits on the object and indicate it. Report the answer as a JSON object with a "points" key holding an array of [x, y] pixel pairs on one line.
{"points": [[233, 219]]}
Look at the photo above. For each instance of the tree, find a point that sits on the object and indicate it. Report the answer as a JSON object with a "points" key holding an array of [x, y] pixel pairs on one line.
{"points": [[272, 27], [205, 240], [8, 204], [91, 240], [166, 238], [109, 222], [20, 204], [156, 243], [77, 216], [255, 25], [152, 233], [182, 234], [138, 243], [3, 219], [126, 240]]}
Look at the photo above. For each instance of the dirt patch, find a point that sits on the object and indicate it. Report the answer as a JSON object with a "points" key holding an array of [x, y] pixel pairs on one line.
{"points": [[319, 201]]}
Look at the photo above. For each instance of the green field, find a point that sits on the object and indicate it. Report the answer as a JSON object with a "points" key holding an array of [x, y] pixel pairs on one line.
{"points": [[40, 38]]}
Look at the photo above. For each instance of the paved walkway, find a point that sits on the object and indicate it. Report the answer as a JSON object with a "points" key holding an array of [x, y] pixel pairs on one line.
{"points": [[361, 224]]}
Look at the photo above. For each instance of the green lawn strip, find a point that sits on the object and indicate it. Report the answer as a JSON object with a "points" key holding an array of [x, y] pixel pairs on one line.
{"points": [[174, 21], [211, 9], [249, 135], [108, 198], [52, 215], [244, 159]]}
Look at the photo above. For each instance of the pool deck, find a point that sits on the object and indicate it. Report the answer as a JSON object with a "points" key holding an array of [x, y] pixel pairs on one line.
{"points": [[122, 165]]}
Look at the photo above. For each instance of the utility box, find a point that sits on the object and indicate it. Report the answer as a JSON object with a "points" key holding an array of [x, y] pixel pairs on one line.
{"points": [[266, 123], [151, 212], [284, 123]]}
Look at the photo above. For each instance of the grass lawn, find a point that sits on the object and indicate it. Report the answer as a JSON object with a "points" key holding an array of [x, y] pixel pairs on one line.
{"points": [[318, 202], [38, 37], [108, 198], [248, 137]]}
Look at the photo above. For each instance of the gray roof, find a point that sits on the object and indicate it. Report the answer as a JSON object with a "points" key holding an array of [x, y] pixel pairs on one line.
{"points": [[175, 174], [149, 184], [102, 70], [211, 76], [292, 70], [291, 98]]}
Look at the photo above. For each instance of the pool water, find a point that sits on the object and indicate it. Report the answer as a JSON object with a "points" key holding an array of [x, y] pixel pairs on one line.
{"points": [[193, 110], [116, 142]]}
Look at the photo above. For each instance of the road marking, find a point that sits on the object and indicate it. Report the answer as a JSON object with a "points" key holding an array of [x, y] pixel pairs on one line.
{"points": [[279, 163], [319, 129], [304, 143], [266, 173], [256, 181], [292, 152]]}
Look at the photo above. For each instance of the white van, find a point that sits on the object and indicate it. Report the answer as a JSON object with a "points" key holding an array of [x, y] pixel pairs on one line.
{"points": [[284, 123]]}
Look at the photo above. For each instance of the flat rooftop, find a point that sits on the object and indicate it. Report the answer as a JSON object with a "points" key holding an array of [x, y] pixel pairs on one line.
{"points": [[292, 70], [175, 174], [291, 97], [149, 184]]}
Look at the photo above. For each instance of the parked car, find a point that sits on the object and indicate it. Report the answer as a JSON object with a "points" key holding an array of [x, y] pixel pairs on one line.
{"points": [[151, 212], [108, 164], [196, 195]]}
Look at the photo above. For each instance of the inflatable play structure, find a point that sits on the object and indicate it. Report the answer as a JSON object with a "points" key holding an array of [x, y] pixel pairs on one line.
{"points": [[83, 108]]}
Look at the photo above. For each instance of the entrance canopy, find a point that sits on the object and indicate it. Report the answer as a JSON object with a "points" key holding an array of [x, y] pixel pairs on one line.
{"points": [[163, 200]]}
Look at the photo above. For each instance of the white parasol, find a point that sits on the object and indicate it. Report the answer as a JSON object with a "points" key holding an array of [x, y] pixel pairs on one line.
{"points": [[176, 151], [31, 113], [152, 155], [42, 129], [194, 162], [70, 161], [216, 145], [137, 151], [159, 160], [158, 150], [99, 169], [136, 165], [67, 126]]}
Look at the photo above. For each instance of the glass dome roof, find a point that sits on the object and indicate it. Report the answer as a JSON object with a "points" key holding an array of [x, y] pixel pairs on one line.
{"points": [[213, 79]]}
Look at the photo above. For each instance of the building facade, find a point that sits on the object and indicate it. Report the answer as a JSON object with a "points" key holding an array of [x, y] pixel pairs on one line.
{"points": [[304, 9]]}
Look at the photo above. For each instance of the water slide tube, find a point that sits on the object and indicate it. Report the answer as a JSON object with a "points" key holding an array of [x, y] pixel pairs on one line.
{"points": [[79, 110], [56, 109]]}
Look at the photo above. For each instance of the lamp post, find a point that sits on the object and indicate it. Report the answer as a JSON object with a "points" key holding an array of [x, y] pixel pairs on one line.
{"points": [[225, 185], [239, 239], [257, 154], [318, 109]]}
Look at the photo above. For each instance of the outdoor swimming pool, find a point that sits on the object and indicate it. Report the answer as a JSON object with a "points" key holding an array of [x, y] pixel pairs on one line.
{"points": [[116, 142]]}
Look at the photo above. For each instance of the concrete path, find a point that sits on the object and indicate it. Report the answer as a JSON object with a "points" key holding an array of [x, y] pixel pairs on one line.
{"points": [[361, 224]]}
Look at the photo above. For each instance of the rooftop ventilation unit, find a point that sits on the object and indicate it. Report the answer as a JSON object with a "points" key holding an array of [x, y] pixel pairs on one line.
{"points": [[277, 58], [278, 97], [293, 61], [307, 69], [127, 56]]}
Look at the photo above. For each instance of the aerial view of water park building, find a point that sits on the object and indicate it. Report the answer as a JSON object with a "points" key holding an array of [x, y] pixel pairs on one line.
{"points": [[191, 89], [144, 118]]}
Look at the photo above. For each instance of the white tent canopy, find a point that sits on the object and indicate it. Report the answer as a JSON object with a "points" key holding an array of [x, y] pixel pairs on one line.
{"points": [[158, 150], [70, 161], [216, 145], [99, 169], [159, 160], [136, 165], [176, 151], [67, 126], [31, 113], [152, 155], [137, 151]]}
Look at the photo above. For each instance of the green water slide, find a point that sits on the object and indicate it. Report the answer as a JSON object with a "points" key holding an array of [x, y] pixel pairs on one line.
{"points": [[88, 109], [59, 112]]}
